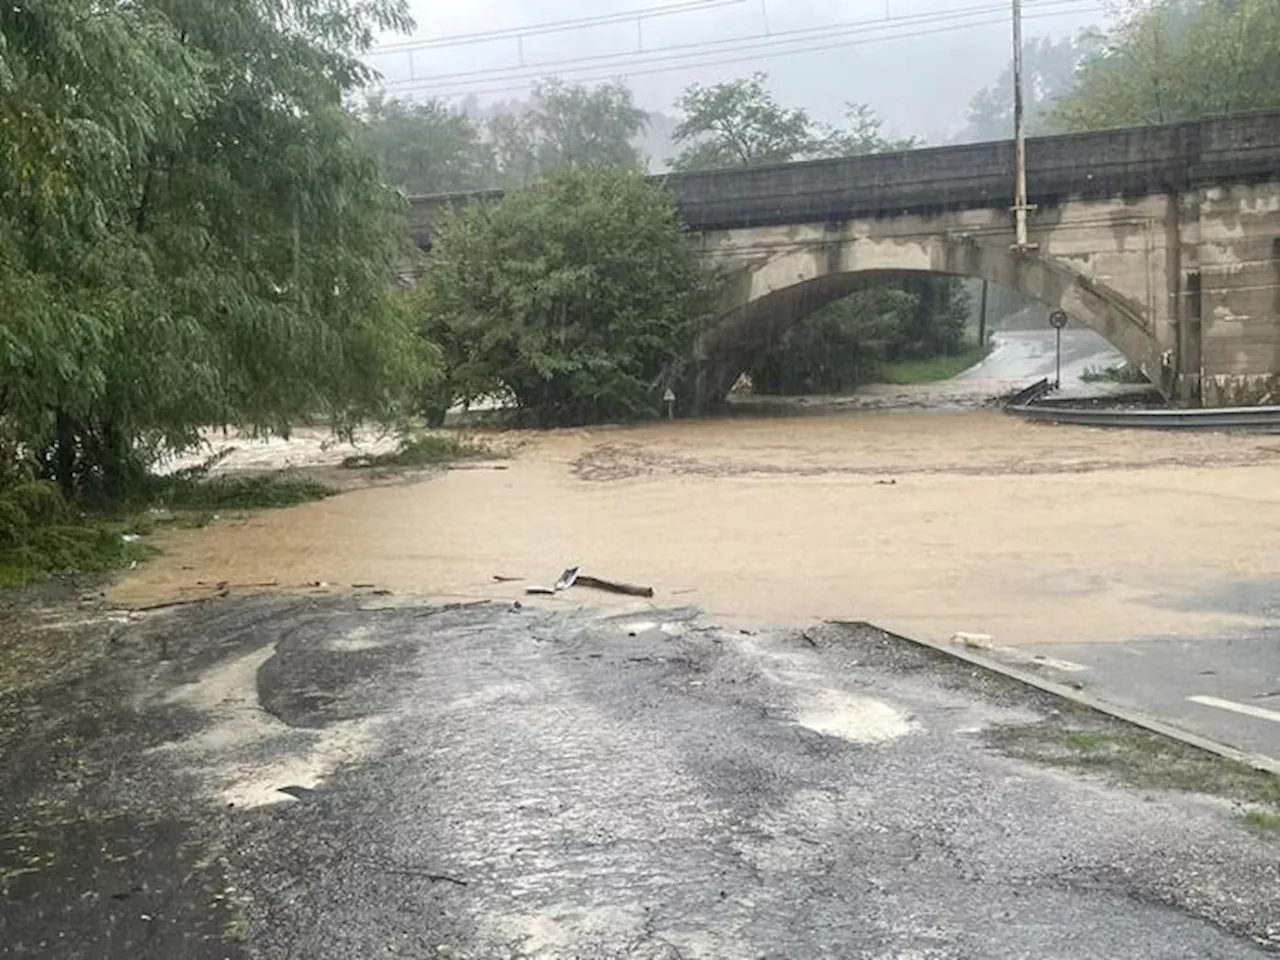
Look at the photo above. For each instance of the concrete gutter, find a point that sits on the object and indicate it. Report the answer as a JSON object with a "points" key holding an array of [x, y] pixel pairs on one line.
{"points": [[1137, 718]]}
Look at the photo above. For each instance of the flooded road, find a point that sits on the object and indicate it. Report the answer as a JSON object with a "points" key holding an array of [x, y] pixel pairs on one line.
{"points": [[927, 523], [1019, 357], [359, 776]]}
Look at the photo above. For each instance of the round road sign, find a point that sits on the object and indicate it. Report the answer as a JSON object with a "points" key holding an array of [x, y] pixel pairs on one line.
{"points": [[1057, 319]]}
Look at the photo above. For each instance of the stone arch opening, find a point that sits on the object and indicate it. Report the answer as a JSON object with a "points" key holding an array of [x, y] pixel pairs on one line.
{"points": [[766, 296]]}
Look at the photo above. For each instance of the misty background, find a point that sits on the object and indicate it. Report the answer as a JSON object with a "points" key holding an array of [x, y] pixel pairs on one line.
{"points": [[916, 63]]}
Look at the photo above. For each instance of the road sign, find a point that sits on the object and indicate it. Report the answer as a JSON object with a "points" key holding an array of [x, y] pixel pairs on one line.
{"points": [[1058, 319]]}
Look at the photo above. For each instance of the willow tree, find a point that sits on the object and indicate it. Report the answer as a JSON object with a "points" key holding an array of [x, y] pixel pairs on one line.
{"points": [[189, 232]]}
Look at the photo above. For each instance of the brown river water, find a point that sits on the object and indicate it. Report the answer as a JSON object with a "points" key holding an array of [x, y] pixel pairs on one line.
{"points": [[926, 522]]}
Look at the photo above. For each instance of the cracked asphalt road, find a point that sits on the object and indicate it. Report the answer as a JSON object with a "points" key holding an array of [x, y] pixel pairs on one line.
{"points": [[285, 778]]}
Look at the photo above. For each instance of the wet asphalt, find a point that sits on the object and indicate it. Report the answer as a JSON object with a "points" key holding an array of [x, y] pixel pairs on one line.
{"points": [[1225, 688], [1020, 357], [327, 778]]}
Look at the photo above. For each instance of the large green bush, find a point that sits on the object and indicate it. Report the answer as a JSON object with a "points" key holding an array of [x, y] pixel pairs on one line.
{"points": [[579, 297]]}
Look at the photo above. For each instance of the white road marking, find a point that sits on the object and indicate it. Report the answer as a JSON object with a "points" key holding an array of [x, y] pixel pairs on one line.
{"points": [[1260, 712]]}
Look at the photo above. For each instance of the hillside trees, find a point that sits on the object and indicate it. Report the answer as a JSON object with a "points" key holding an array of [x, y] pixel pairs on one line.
{"points": [[1178, 60]]}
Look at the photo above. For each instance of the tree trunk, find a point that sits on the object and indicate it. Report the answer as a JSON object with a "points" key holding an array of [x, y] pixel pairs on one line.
{"points": [[64, 460], [115, 463]]}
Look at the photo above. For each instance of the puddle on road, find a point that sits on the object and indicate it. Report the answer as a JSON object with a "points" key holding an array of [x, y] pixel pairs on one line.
{"points": [[925, 522], [856, 719], [246, 755]]}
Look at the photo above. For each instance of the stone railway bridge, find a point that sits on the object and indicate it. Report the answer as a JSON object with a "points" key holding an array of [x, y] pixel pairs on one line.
{"points": [[1165, 240]]}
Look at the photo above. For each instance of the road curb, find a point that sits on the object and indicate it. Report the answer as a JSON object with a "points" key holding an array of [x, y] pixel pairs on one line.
{"points": [[1137, 718]]}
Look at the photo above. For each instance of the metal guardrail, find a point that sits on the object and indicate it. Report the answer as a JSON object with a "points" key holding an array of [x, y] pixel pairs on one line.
{"points": [[1219, 418], [1029, 395]]}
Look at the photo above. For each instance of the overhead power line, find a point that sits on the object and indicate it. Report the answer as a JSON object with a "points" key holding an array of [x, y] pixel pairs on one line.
{"points": [[554, 26], [752, 43], [740, 49]]}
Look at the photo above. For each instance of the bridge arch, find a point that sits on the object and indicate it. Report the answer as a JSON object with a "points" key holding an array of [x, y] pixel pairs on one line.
{"points": [[769, 290]]}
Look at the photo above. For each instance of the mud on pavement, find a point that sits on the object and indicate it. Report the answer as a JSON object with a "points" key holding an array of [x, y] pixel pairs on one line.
{"points": [[320, 778]]}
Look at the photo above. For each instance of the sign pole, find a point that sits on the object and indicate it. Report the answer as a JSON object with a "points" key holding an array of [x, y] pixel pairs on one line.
{"points": [[1058, 320]]}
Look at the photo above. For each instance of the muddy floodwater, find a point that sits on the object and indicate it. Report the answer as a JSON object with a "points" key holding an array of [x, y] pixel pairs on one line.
{"points": [[927, 522]]}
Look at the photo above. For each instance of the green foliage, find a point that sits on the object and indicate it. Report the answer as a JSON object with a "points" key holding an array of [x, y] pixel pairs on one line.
{"points": [[424, 451], [936, 328], [836, 348], [1176, 60], [189, 232], [1262, 821], [514, 148], [425, 148], [931, 369], [42, 535], [567, 127], [863, 133], [1049, 71], [1163, 61], [914, 328], [1120, 373], [740, 124], [243, 492], [1138, 757], [579, 297]]}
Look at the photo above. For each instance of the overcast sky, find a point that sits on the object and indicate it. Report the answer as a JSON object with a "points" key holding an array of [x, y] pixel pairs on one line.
{"points": [[917, 68]]}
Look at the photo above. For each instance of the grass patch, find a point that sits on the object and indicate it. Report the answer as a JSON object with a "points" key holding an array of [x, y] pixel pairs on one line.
{"points": [[200, 496], [1262, 821], [1120, 373], [1079, 740], [84, 549], [42, 535], [1139, 758], [424, 451], [906, 372]]}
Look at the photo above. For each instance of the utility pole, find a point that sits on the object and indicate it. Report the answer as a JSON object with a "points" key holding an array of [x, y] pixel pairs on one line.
{"points": [[1020, 207]]}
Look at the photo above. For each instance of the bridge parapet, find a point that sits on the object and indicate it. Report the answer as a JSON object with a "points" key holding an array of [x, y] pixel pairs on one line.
{"points": [[1116, 163]]}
